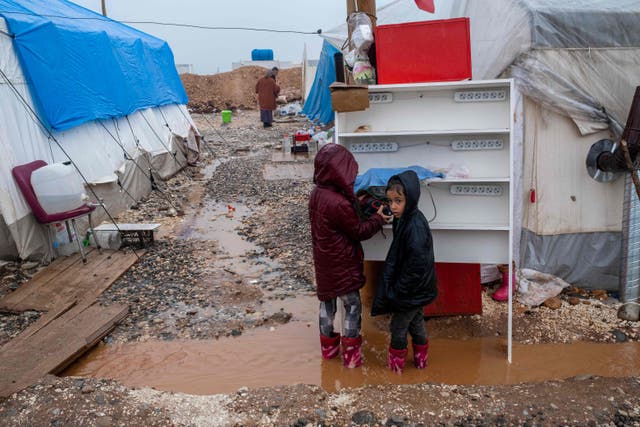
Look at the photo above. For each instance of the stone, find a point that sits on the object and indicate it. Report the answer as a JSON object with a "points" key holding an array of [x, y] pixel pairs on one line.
{"points": [[629, 311], [29, 265], [364, 418], [619, 335], [573, 300], [553, 303]]}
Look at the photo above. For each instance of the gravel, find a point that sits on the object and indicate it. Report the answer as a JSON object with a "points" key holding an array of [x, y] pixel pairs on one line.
{"points": [[181, 289]]}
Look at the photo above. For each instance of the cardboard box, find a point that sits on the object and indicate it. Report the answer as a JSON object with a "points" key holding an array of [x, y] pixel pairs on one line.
{"points": [[345, 98]]}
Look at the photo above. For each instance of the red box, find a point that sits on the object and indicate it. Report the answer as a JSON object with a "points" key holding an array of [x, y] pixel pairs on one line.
{"points": [[301, 136], [459, 290], [428, 51]]}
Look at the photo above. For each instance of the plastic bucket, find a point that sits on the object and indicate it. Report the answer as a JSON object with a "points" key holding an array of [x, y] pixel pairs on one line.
{"points": [[226, 116]]}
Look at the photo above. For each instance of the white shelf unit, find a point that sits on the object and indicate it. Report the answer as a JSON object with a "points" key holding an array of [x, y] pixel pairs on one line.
{"points": [[464, 128]]}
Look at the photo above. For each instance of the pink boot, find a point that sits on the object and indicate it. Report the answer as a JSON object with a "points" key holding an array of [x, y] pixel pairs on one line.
{"points": [[330, 346], [351, 352], [396, 359], [502, 294], [420, 354]]}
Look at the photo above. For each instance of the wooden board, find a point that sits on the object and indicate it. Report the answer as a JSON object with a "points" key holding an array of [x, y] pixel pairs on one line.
{"points": [[39, 280], [69, 280], [53, 347]]}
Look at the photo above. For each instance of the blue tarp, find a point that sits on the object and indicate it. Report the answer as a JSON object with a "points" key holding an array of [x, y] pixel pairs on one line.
{"points": [[378, 177], [82, 66], [318, 104]]}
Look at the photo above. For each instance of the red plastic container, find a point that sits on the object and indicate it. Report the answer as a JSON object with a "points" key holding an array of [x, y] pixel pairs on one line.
{"points": [[302, 136], [428, 51], [459, 290]]}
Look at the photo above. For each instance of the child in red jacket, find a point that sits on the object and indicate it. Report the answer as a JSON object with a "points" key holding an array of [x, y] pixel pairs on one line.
{"points": [[336, 232]]}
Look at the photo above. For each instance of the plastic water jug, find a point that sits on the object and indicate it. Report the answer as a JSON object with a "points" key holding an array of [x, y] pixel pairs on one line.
{"points": [[58, 187]]}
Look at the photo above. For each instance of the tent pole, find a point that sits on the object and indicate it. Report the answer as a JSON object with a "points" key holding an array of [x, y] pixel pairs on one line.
{"points": [[104, 8]]}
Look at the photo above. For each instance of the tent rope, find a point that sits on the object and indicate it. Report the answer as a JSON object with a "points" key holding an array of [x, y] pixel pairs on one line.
{"points": [[52, 137], [204, 141], [130, 157], [161, 142]]}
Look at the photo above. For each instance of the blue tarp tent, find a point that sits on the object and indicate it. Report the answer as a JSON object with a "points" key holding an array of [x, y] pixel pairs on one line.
{"points": [[318, 105], [82, 66]]}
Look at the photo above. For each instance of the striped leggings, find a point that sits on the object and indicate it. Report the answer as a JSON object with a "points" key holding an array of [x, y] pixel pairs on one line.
{"points": [[353, 316]]}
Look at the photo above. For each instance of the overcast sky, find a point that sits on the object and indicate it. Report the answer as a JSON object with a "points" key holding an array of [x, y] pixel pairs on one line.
{"points": [[210, 51]]}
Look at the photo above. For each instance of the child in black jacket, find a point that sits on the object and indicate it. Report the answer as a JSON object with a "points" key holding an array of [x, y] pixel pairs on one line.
{"points": [[408, 280]]}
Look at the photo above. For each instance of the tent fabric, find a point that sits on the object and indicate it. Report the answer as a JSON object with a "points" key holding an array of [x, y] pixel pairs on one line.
{"points": [[318, 104], [521, 39], [82, 66], [377, 177], [157, 139], [575, 64]]}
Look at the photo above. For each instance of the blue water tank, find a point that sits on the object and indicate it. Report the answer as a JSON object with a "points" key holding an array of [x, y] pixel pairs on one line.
{"points": [[262, 55]]}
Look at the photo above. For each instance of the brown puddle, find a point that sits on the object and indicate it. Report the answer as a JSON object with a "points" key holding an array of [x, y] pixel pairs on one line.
{"points": [[290, 354]]}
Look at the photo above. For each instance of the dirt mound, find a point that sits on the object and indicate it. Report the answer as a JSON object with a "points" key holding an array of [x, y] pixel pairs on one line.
{"points": [[236, 89]]}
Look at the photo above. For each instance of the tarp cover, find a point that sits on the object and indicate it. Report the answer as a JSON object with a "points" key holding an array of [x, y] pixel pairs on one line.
{"points": [[572, 56], [318, 104], [82, 66], [377, 177]]}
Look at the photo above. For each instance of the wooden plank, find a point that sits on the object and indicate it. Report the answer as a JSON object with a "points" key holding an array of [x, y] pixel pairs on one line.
{"points": [[101, 270], [59, 309], [39, 280], [50, 349], [115, 267], [41, 297]]}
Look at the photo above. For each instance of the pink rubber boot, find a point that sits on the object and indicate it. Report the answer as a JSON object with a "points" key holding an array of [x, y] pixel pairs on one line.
{"points": [[330, 346], [502, 294], [351, 352], [396, 359], [420, 354]]}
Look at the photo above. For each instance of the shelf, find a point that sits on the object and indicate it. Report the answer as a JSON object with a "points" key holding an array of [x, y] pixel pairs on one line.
{"points": [[423, 132], [462, 227], [434, 86], [466, 180]]}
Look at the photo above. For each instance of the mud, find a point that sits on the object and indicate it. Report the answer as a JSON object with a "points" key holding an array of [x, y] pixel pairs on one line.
{"points": [[211, 314]]}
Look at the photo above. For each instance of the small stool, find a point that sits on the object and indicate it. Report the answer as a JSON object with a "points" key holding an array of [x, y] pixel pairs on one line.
{"points": [[139, 235]]}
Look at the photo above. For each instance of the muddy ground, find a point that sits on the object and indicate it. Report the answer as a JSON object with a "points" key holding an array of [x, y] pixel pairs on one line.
{"points": [[190, 286]]}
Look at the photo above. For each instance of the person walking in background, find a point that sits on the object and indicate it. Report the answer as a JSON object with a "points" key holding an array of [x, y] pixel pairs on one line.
{"points": [[336, 232], [408, 280], [267, 90]]}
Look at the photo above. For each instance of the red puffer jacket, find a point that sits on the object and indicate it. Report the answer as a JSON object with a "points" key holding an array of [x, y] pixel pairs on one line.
{"points": [[336, 229]]}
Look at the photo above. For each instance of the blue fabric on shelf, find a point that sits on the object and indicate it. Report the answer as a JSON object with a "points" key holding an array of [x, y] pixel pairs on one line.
{"points": [[378, 177], [81, 66]]}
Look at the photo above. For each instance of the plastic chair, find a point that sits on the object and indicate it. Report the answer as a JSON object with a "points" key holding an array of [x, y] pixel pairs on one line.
{"points": [[22, 176]]}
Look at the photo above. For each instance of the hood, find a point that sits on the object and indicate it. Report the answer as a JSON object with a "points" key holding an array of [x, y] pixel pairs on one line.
{"points": [[335, 166], [411, 185]]}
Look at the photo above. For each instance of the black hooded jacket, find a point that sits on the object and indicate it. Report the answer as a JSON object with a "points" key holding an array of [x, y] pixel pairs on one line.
{"points": [[408, 278]]}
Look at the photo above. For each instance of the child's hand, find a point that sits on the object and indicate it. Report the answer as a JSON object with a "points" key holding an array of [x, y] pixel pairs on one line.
{"points": [[387, 218]]}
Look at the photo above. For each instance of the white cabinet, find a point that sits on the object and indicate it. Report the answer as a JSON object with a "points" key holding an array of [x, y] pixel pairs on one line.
{"points": [[463, 129]]}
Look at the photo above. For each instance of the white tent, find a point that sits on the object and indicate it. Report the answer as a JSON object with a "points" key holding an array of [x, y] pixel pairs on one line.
{"points": [[116, 156], [576, 64]]}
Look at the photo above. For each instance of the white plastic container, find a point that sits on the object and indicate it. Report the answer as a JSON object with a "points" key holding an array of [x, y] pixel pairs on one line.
{"points": [[58, 187]]}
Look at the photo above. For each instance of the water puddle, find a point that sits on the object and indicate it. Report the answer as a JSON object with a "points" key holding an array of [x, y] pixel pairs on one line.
{"points": [[288, 171], [286, 156], [218, 221], [290, 354]]}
